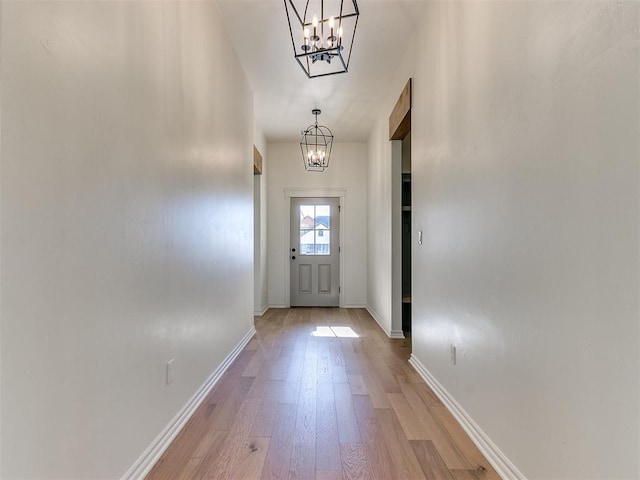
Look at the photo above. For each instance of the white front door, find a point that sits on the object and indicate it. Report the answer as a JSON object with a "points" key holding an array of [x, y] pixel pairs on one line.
{"points": [[314, 252]]}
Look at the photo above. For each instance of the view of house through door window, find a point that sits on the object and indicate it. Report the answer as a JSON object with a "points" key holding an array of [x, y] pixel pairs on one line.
{"points": [[315, 229], [314, 252]]}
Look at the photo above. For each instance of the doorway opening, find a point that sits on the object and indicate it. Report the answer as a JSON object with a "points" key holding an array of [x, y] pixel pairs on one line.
{"points": [[406, 234], [259, 238], [400, 137]]}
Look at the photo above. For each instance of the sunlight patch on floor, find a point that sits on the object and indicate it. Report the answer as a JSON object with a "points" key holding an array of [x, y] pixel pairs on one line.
{"points": [[342, 332]]}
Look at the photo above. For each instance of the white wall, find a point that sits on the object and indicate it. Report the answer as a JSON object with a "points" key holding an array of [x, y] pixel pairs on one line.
{"points": [[346, 171], [1, 355], [379, 273], [260, 266], [525, 162], [126, 225]]}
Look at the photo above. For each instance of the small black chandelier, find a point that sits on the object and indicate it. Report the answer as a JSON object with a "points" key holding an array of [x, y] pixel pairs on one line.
{"points": [[316, 146], [319, 41]]}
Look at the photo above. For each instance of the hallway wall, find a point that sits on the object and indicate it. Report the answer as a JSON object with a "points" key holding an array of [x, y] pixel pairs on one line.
{"points": [[346, 171], [126, 225], [525, 182]]}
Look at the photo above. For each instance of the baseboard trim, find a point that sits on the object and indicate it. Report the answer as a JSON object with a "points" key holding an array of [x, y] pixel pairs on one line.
{"points": [[376, 317], [396, 334], [152, 454], [492, 453], [260, 313]]}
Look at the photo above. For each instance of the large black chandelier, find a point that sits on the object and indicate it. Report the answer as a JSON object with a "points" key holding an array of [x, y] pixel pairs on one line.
{"points": [[320, 31], [316, 144]]}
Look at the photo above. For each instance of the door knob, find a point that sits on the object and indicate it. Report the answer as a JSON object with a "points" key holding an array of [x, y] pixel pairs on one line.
{"points": [[293, 257]]}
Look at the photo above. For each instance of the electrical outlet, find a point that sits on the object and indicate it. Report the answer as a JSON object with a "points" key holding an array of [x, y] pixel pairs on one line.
{"points": [[171, 373], [454, 359]]}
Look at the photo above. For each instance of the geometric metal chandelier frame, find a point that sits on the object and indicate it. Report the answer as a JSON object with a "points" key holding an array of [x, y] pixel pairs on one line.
{"points": [[316, 144], [320, 30]]}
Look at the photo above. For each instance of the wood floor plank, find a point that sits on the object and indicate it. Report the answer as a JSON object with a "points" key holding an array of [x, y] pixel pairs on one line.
{"points": [[402, 369], [207, 450], [373, 438], [271, 353], [310, 365], [296, 367], [424, 392], [261, 380], [464, 475], [280, 367], [348, 431], [303, 461], [327, 444], [324, 371], [173, 461], [463, 443], [451, 452], [348, 356], [235, 443], [253, 367], [305, 430], [252, 345], [266, 419], [224, 417], [276, 465], [326, 475], [478, 474], [282, 391], [225, 385], [414, 430], [374, 387], [386, 378], [358, 387], [339, 374], [337, 356], [251, 459], [355, 465], [405, 463], [432, 464]]}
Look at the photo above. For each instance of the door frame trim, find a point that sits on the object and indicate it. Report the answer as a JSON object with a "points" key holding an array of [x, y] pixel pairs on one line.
{"points": [[290, 193]]}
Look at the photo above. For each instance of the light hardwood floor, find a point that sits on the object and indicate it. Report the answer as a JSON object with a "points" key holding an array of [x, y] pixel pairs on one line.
{"points": [[295, 405]]}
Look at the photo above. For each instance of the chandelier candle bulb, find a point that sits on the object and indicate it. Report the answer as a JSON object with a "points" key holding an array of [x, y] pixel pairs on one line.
{"points": [[314, 22], [305, 45], [331, 39]]}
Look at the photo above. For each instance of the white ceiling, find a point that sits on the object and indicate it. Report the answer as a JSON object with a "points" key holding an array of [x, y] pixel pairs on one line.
{"points": [[284, 96]]}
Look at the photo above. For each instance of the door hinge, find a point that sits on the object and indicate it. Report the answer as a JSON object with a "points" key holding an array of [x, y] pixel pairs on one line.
{"points": [[338, 289], [339, 207], [339, 249]]}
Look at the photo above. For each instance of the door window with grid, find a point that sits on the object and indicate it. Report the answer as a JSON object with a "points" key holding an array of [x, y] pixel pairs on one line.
{"points": [[315, 230]]}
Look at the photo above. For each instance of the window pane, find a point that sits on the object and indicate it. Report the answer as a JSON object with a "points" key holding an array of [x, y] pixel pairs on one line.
{"points": [[307, 217], [323, 250], [322, 217], [306, 242], [323, 240]]}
